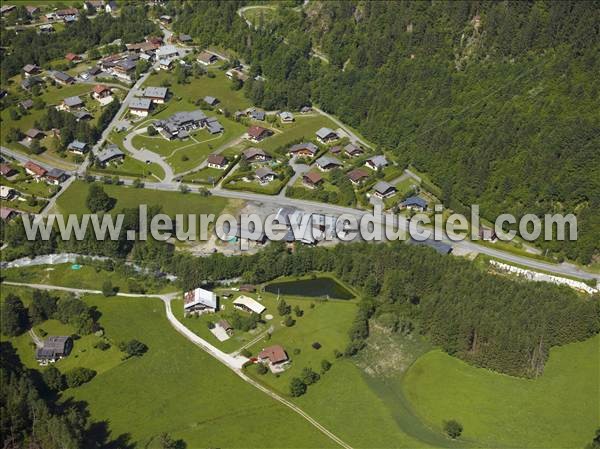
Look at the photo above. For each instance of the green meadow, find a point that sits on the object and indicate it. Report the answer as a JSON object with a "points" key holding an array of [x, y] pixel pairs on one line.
{"points": [[177, 388], [73, 200], [558, 409], [198, 88]]}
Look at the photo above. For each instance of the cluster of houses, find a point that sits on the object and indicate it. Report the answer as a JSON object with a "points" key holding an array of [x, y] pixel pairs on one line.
{"points": [[141, 106]]}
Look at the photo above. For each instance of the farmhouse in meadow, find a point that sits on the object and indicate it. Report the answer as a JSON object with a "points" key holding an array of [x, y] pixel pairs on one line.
{"points": [[199, 301], [275, 358], [53, 349]]}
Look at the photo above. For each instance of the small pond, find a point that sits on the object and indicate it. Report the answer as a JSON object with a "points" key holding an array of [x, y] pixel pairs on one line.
{"points": [[314, 288]]}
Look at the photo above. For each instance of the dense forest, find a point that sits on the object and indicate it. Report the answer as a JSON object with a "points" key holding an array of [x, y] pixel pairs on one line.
{"points": [[496, 100], [32, 48]]}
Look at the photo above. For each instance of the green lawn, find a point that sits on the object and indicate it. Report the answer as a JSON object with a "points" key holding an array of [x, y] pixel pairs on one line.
{"points": [[206, 175], [87, 277], [177, 388], [304, 127], [73, 200], [218, 87], [559, 409]]}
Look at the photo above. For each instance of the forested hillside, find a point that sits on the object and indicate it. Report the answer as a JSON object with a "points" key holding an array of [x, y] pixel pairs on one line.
{"points": [[498, 101]]}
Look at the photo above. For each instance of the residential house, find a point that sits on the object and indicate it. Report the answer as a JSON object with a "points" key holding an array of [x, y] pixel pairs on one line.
{"points": [[62, 78], [81, 115], [77, 147], [248, 288], [487, 234], [140, 106], [96, 70], [35, 170], [33, 134], [101, 91], [312, 180], [414, 203], [265, 175], [109, 154], [258, 133], [47, 28], [383, 190], [236, 74], [199, 301], [377, 162], [158, 95], [357, 176], [67, 15], [275, 358], [212, 101], [6, 193], [206, 58], [110, 7], [228, 328], [26, 104], [93, 5], [7, 171], [352, 150], [30, 70], [167, 52], [255, 155], [180, 123], [248, 304], [303, 150], [286, 117], [305, 109], [55, 176], [32, 10], [255, 114], [336, 150], [184, 38], [327, 163], [53, 349], [165, 20], [6, 9], [8, 213], [217, 161], [326, 135], [213, 126], [72, 57], [71, 104], [28, 82], [125, 69]]}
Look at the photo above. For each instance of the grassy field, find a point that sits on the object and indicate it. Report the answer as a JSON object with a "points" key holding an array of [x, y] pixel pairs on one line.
{"points": [[87, 277], [303, 128], [559, 409], [73, 200], [177, 388], [198, 88]]}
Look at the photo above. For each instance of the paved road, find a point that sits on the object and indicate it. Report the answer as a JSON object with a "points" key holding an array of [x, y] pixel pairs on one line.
{"points": [[233, 362], [147, 155]]}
